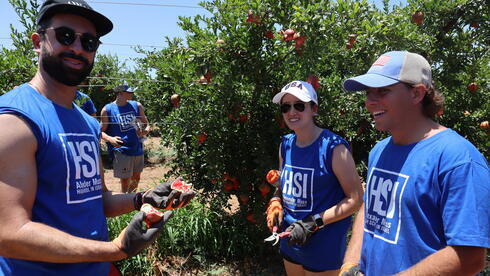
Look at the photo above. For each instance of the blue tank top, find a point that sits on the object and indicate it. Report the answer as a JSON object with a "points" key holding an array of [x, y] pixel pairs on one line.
{"points": [[308, 183], [309, 187], [69, 186], [122, 123]]}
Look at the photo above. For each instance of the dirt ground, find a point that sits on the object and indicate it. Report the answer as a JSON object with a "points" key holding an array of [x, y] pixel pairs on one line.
{"points": [[153, 172], [151, 175]]}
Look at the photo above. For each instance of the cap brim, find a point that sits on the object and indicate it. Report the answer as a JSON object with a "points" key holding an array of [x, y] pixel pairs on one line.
{"points": [[302, 97], [366, 81], [102, 24]]}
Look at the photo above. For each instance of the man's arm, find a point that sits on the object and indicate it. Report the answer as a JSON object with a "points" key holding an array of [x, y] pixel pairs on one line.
{"points": [[353, 253], [143, 119], [104, 122], [115, 204], [451, 260], [20, 237]]}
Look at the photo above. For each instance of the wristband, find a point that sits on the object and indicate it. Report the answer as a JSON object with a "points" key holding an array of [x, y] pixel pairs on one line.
{"points": [[318, 220]]}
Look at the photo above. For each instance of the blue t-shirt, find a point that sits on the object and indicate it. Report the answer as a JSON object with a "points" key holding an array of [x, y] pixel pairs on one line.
{"points": [[309, 186], [85, 103], [422, 197], [69, 186], [122, 123]]}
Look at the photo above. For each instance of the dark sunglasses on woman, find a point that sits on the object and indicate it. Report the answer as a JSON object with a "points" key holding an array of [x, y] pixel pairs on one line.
{"points": [[67, 36], [299, 106]]}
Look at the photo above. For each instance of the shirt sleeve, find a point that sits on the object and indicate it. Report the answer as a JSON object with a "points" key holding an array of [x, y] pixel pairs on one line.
{"points": [[465, 205], [89, 107]]}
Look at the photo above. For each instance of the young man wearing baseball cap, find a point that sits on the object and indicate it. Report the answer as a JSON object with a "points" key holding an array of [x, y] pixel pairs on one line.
{"points": [[426, 208], [53, 200], [120, 125], [319, 188]]}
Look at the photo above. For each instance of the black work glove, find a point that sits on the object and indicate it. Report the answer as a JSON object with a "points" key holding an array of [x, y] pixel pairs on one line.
{"points": [[135, 237], [301, 230], [163, 197]]}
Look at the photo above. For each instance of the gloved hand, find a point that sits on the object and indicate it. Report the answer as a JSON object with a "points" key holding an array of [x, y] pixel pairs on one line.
{"points": [[301, 230], [163, 197], [134, 238], [349, 269], [274, 213]]}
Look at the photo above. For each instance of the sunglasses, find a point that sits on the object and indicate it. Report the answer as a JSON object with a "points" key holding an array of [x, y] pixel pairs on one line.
{"points": [[299, 106], [67, 36]]}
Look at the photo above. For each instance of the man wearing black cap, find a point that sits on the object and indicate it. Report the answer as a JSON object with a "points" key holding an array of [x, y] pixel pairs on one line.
{"points": [[53, 200]]}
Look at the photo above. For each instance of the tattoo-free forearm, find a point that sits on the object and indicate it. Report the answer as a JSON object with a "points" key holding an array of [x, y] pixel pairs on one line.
{"points": [[353, 253], [116, 204], [38, 242], [451, 260]]}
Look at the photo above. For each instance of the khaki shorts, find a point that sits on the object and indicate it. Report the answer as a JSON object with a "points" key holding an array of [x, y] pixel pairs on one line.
{"points": [[125, 165]]}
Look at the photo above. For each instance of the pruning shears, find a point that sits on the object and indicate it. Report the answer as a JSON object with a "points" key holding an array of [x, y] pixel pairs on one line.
{"points": [[276, 236]]}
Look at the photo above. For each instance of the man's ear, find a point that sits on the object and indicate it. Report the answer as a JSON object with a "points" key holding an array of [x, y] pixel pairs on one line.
{"points": [[418, 93], [36, 42]]}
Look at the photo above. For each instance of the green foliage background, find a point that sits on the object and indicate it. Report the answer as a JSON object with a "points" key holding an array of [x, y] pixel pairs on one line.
{"points": [[248, 69]]}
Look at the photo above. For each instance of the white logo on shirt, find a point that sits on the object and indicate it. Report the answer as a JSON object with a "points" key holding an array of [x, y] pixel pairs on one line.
{"points": [[297, 188], [383, 204], [126, 121], [83, 181]]}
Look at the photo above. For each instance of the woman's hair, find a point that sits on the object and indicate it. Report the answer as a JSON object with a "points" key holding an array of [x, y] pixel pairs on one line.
{"points": [[315, 120], [433, 101]]}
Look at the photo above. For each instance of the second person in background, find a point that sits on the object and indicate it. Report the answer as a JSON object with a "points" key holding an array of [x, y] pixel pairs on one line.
{"points": [[319, 187], [123, 125]]}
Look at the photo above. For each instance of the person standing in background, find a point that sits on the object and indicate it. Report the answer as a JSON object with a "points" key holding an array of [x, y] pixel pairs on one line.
{"points": [[123, 125]]}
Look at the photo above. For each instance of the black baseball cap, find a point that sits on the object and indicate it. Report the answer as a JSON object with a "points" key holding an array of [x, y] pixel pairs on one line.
{"points": [[78, 7], [125, 88]]}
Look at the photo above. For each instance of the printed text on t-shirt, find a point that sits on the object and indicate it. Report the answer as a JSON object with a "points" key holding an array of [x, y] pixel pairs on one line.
{"points": [[383, 203]]}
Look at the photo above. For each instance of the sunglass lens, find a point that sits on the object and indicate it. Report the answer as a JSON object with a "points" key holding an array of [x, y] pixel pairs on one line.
{"points": [[299, 106], [285, 108], [89, 42], [65, 35]]}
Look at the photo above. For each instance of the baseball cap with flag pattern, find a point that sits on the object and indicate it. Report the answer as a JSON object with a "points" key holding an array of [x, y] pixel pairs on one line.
{"points": [[390, 68]]}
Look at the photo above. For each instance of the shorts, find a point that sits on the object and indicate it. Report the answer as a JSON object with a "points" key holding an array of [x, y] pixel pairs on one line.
{"points": [[289, 259], [126, 165], [323, 251]]}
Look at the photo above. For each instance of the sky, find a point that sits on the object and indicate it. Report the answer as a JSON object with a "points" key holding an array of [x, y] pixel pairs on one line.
{"points": [[136, 22]]}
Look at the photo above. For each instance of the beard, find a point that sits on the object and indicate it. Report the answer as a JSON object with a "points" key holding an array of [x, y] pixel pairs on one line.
{"points": [[54, 66]]}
